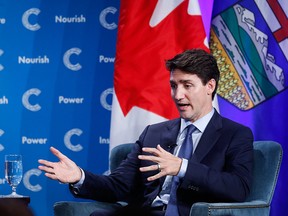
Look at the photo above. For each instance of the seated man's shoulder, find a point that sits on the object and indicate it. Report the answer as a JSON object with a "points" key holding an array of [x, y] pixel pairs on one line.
{"points": [[230, 122], [231, 125], [168, 123]]}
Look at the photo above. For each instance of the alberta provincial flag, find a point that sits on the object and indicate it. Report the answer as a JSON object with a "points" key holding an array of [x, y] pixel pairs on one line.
{"points": [[252, 51], [149, 33], [250, 41]]}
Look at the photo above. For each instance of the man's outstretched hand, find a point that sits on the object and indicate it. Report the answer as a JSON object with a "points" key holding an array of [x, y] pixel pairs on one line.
{"points": [[65, 170]]}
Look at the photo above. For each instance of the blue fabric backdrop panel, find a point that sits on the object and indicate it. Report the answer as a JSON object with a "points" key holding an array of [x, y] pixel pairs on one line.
{"points": [[56, 84]]}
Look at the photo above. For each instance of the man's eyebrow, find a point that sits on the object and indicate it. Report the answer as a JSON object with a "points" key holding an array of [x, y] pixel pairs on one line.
{"points": [[182, 81]]}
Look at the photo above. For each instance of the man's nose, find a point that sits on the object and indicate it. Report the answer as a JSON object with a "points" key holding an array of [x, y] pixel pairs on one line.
{"points": [[178, 93]]}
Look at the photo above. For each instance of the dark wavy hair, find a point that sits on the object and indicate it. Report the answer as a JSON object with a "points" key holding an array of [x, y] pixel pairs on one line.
{"points": [[198, 62]]}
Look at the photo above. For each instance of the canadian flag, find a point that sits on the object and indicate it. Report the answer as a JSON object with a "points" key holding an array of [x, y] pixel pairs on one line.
{"points": [[150, 32]]}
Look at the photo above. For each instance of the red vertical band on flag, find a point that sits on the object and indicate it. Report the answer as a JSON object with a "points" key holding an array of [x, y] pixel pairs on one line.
{"points": [[281, 33]]}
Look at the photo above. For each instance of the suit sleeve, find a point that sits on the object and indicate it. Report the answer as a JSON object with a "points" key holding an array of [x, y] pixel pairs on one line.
{"points": [[117, 186]]}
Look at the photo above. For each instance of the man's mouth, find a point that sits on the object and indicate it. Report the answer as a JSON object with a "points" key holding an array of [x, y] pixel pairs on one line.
{"points": [[183, 106]]}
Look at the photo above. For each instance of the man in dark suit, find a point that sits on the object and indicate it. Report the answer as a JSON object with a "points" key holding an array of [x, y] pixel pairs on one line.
{"points": [[219, 168]]}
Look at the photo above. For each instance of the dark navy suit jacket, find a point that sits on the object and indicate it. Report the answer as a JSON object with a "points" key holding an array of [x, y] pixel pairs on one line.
{"points": [[220, 170]]}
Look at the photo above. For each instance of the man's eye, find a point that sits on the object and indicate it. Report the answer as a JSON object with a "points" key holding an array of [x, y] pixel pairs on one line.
{"points": [[173, 86], [188, 86]]}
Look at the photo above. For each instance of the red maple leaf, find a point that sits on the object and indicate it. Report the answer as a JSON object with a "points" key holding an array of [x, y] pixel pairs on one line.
{"points": [[141, 78]]}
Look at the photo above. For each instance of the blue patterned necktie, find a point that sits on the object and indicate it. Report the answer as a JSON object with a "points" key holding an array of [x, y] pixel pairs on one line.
{"points": [[184, 152]]}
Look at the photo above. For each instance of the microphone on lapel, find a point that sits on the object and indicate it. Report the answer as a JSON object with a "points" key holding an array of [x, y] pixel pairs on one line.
{"points": [[171, 147]]}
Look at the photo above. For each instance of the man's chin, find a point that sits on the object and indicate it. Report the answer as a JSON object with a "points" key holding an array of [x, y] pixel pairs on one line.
{"points": [[185, 116]]}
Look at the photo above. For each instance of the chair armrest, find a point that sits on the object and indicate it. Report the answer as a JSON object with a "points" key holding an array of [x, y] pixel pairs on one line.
{"points": [[71, 208], [255, 208]]}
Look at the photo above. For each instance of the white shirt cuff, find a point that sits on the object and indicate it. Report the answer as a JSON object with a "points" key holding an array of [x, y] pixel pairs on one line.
{"points": [[183, 168], [80, 182]]}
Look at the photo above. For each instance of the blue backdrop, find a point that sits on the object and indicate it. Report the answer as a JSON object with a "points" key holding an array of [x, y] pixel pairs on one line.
{"points": [[56, 80]]}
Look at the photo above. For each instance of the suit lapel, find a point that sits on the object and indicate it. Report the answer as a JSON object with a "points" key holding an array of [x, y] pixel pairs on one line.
{"points": [[169, 137], [209, 137], [168, 140]]}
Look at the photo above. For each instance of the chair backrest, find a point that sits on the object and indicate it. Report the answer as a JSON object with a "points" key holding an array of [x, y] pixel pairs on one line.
{"points": [[267, 162], [118, 154]]}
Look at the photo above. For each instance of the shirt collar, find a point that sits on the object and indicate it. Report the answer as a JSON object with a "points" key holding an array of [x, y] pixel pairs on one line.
{"points": [[200, 124]]}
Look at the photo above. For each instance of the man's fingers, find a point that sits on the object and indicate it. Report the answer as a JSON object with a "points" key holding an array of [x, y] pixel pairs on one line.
{"points": [[153, 151], [57, 153], [160, 148], [149, 158], [153, 168], [51, 176], [149, 168], [45, 163], [157, 176], [46, 169], [165, 162]]}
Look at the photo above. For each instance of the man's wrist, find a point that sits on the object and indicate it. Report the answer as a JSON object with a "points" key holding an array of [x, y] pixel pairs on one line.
{"points": [[80, 182], [183, 168]]}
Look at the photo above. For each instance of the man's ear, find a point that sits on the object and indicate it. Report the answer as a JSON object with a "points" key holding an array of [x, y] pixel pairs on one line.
{"points": [[211, 85]]}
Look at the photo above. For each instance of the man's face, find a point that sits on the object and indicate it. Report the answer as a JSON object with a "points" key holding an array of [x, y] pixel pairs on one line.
{"points": [[192, 98]]}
